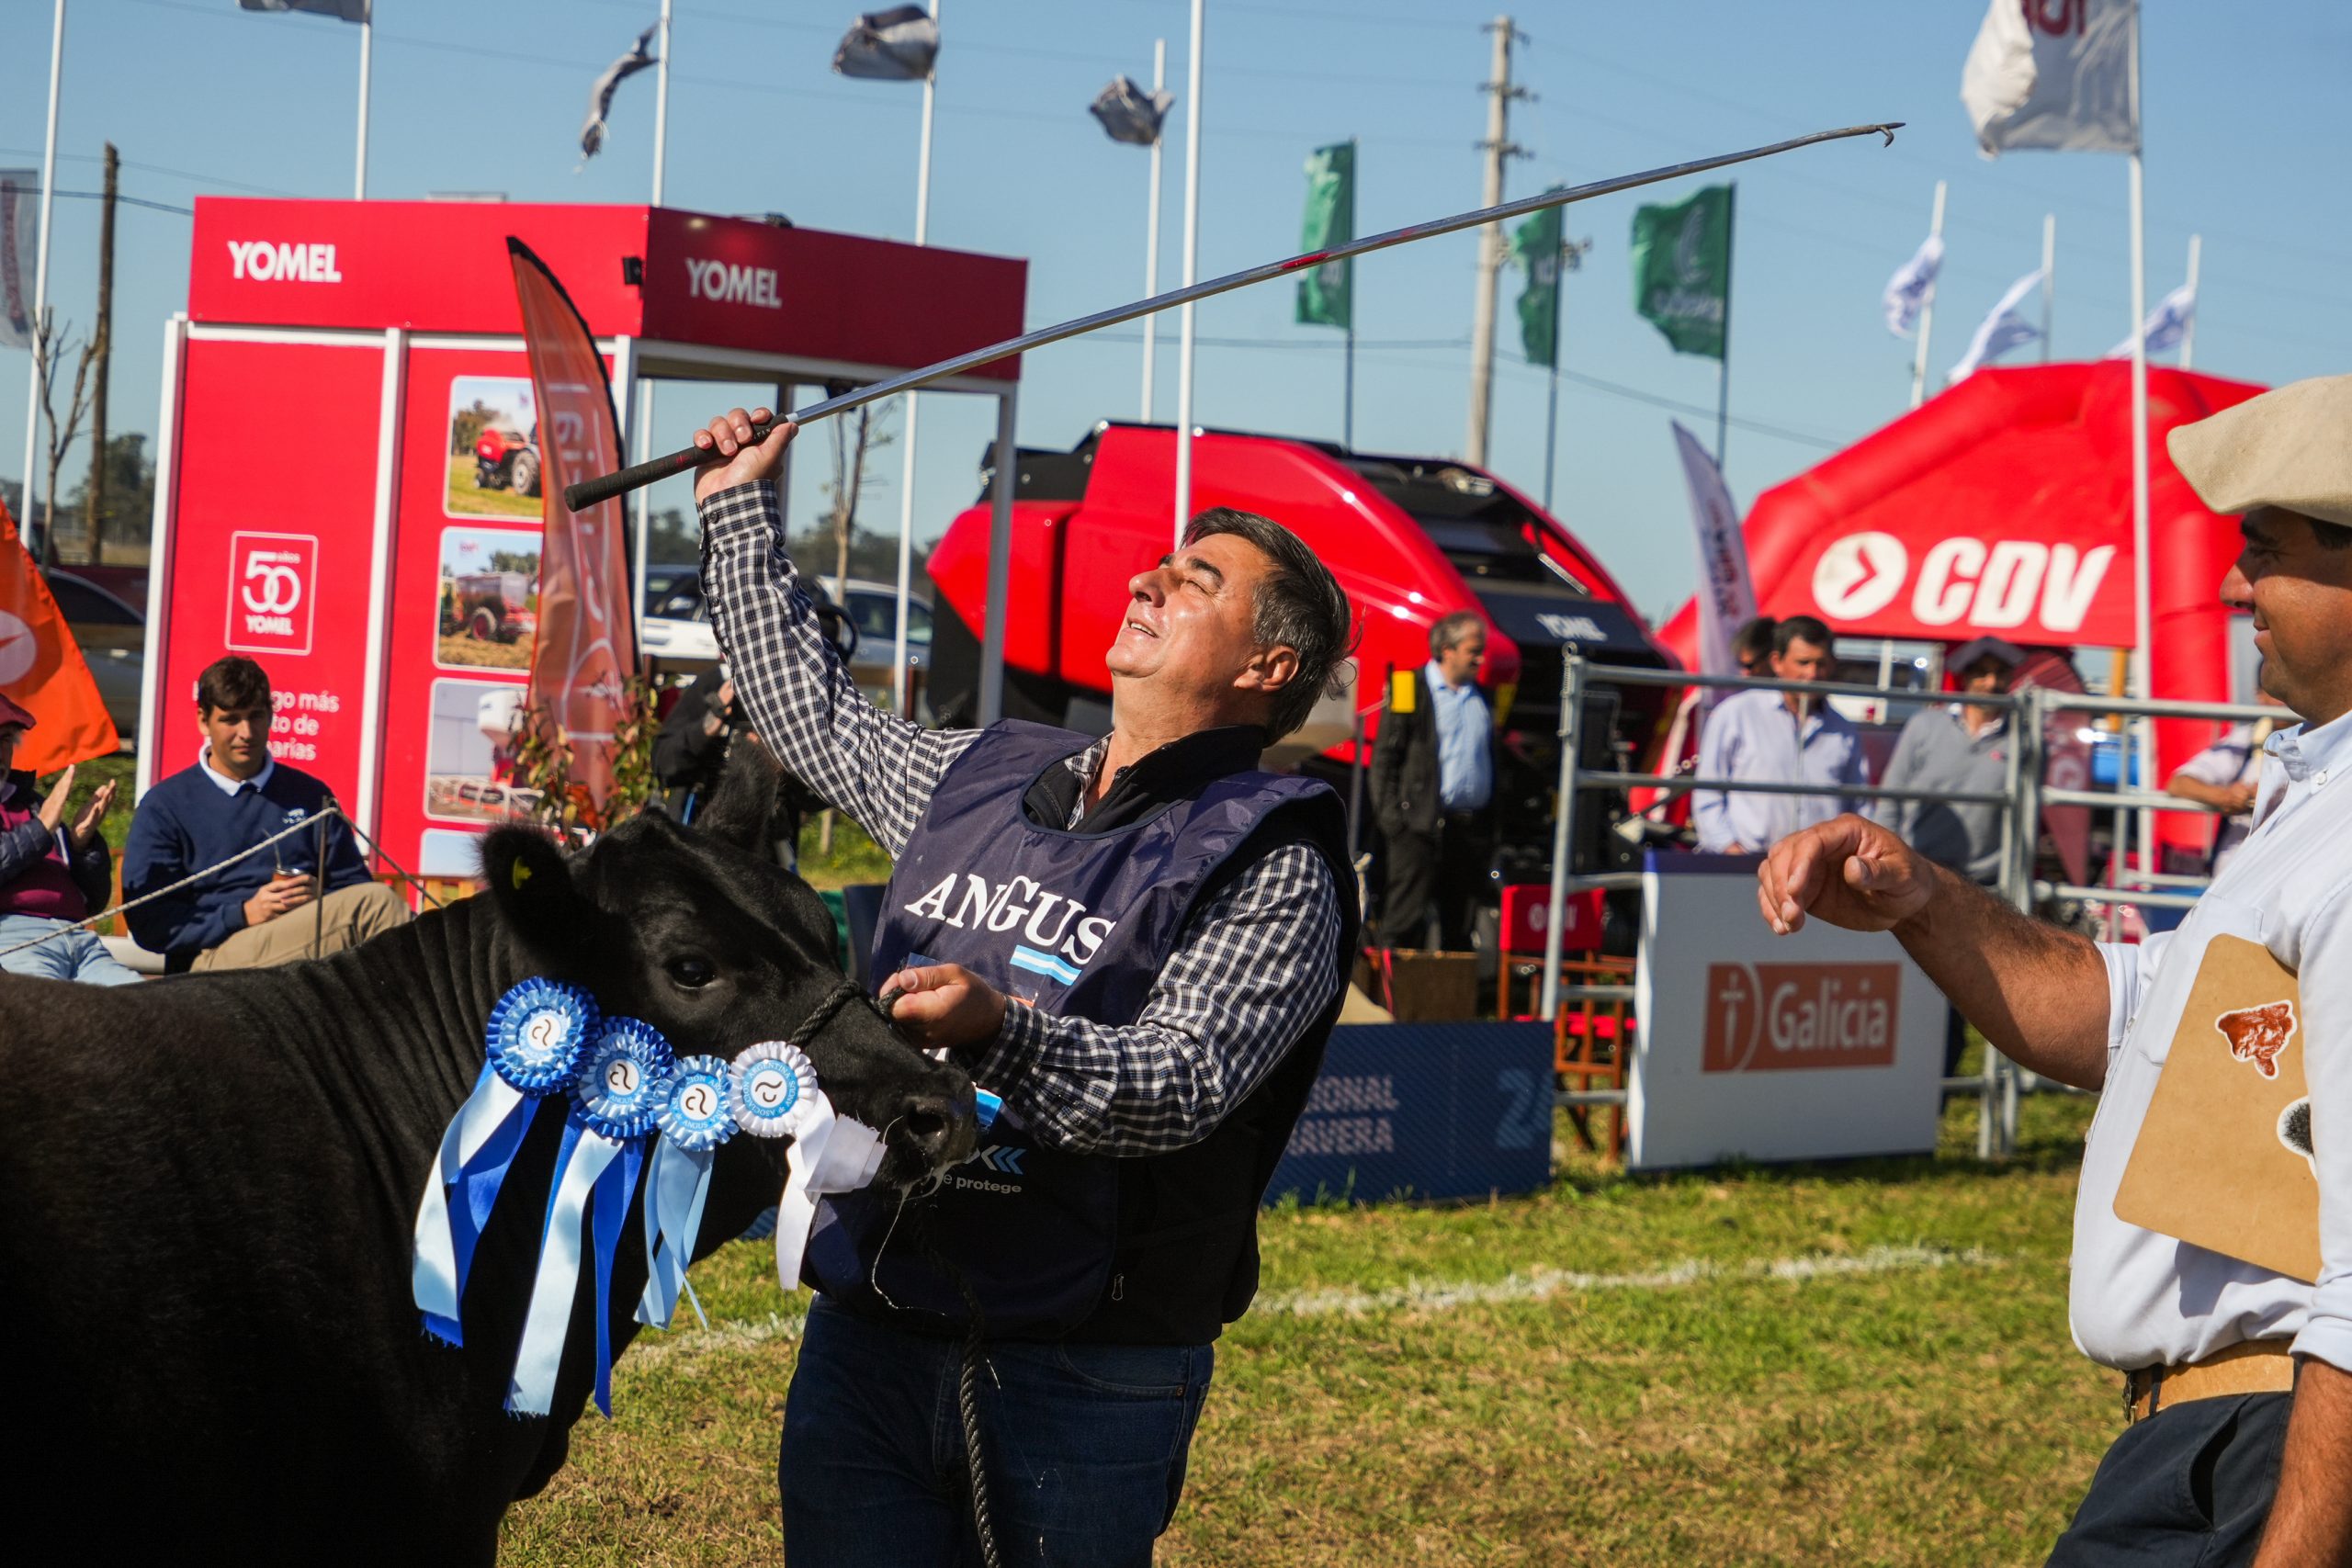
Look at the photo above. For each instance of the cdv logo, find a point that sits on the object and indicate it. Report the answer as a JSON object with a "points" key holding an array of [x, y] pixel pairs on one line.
{"points": [[1764, 1016]]}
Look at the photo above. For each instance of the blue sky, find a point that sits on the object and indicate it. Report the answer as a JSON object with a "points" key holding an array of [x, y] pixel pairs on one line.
{"points": [[2246, 144]]}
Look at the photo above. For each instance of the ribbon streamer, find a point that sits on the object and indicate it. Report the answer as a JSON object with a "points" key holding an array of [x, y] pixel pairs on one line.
{"points": [[581, 1161], [534, 1039], [778, 1097], [700, 1115]]}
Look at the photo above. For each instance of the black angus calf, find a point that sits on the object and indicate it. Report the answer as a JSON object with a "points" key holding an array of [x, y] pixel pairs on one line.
{"points": [[209, 1190]]}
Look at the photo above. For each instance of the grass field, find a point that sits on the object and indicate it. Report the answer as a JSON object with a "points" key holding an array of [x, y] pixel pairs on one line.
{"points": [[1864, 1363], [459, 649], [466, 499]]}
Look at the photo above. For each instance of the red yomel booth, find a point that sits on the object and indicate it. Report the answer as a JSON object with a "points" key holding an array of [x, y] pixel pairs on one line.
{"points": [[367, 354]]}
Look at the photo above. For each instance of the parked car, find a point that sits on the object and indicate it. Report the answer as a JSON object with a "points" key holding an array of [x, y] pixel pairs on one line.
{"points": [[112, 634], [678, 630]]}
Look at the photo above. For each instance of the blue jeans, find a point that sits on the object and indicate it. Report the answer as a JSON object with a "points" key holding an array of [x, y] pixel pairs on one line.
{"points": [[79, 957], [1084, 1447]]}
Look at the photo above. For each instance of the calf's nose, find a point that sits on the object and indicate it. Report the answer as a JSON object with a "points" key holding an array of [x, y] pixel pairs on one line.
{"points": [[938, 1127]]}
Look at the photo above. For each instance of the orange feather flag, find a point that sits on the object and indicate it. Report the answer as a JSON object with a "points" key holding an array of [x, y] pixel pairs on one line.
{"points": [[42, 668]]}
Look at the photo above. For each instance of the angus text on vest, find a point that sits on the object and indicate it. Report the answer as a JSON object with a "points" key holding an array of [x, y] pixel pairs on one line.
{"points": [[970, 902]]}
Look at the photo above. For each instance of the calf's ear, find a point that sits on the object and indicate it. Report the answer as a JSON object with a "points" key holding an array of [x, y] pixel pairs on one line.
{"points": [[740, 809], [528, 879]]}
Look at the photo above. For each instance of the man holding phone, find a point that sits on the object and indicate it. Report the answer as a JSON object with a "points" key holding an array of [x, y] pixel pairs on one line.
{"points": [[235, 798]]}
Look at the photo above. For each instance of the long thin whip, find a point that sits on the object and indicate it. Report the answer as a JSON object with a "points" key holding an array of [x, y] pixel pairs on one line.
{"points": [[587, 492]]}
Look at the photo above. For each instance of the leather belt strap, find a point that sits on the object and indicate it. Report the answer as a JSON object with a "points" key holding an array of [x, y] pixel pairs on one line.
{"points": [[2257, 1366]]}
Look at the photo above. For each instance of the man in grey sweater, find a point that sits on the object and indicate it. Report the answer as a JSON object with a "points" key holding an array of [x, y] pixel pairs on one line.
{"points": [[1961, 748]]}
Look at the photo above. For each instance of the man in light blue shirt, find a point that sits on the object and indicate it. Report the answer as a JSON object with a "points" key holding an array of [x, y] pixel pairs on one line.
{"points": [[1783, 737], [2236, 1379], [1432, 781]]}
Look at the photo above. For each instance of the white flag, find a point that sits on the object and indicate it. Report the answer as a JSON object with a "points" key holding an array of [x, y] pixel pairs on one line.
{"points": [[2061, 76], [2167, 324], [18, 187], [896, 45], [639, 57], [1912, 285], [2001, 331], [1726, 596]]}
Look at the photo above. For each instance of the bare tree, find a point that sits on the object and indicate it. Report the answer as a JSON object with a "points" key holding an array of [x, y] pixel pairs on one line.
{"points": [[852, 449], [49, 344]]}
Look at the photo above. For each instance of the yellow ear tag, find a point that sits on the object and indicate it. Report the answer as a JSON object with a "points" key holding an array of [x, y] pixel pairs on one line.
{"points": [[519, 876], [1400, 691]]}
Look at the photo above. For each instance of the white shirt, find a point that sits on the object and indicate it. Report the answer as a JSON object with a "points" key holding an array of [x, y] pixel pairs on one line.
{"points": [[1752, 735], [2139, 1298], [226, 785]]}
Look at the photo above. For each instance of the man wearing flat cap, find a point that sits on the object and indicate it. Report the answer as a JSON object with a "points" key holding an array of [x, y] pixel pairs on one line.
{"points": [[2236, 1380]]}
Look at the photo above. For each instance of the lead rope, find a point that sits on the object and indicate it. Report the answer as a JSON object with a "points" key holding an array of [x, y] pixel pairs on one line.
{"points": [[967, 1377], [967, 1402]]}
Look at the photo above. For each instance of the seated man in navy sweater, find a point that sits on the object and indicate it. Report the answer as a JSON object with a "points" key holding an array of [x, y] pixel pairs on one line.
{"points": [[270, 907]]}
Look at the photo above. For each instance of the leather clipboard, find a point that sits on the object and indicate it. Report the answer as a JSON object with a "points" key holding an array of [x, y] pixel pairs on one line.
{"points": [[2223, 1159]]}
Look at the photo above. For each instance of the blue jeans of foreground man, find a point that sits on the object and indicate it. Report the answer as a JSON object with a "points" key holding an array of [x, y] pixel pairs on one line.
{"points": [[2189, 1487], [79, 957], [1084, 1447]]}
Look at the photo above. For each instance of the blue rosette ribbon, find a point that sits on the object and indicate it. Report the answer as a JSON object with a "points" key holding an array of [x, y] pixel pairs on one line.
{"points": [[699, 1115], [535, 1040], [617, 1097], [777, 1096]]}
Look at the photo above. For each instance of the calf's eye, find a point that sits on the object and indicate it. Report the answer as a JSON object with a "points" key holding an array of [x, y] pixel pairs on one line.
{"points": [[692, 973]]}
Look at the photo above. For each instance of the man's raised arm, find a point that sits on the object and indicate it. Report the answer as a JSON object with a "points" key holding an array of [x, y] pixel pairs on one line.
{"points": [[879, 768], [2045, 998]]}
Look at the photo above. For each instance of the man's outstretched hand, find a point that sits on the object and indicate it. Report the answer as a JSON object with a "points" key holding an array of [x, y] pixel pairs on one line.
{"points": [[944, 1004], [1848, 872], [748, 462]]}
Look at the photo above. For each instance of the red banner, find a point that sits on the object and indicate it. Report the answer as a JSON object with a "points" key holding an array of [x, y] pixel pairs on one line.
{"points": [[42, 668], [587, 639]]}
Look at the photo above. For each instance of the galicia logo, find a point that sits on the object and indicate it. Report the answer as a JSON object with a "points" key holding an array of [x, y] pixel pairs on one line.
{"points": [[1058, 936], [1763, 1016]]}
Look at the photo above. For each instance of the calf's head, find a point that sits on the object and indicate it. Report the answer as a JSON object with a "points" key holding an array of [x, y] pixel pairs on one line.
{"points": [[697, 931]]}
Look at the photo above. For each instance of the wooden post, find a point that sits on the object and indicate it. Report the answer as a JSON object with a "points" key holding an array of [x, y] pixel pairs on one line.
{"points": [[94, 499]]}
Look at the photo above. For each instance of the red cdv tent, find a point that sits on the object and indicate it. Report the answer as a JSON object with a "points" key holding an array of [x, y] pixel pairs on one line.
{"points": [[2004, 507]]}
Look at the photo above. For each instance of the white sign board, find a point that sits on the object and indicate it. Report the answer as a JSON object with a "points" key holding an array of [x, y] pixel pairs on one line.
{"points": [[1822, 1045]]}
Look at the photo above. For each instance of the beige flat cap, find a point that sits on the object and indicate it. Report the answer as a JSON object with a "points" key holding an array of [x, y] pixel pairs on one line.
{"points": [[2289, 448]]}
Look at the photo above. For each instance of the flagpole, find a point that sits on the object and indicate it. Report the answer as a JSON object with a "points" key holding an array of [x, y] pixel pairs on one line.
{"points": [[2142, 615], [662, 106], [1151, 227], [40, 266], [1926, 309], [2189, 327], [1348, 404], [1184, 334], [643, 520], [367, 58], [2049, 276], [906, 474], [1723, 362]]}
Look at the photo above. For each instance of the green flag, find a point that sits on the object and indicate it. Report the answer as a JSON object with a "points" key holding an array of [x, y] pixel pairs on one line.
{"points": [[1325, 291], [1535, 246], [1682, 270]]}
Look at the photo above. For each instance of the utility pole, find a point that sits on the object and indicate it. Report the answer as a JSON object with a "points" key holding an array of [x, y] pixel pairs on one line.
{"points": [[1498, 146], [94, 502]]}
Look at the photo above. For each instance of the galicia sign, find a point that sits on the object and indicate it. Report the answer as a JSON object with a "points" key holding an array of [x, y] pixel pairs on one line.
{"points": [[1765, 1016]]}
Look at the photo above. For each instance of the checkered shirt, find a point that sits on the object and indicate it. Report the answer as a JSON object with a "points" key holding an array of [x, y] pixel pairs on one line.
{"points": [[1253, 966]]}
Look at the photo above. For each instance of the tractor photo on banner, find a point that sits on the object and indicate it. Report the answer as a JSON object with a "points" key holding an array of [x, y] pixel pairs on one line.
{"points": [[585, 655]]}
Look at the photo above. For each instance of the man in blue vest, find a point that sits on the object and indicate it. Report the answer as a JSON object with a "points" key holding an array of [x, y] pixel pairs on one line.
{"points": [[1140, 943]]}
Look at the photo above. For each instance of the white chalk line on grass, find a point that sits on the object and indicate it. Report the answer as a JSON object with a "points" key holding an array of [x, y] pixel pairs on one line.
{"points": [[1541, 1283], [1535, 1284]]}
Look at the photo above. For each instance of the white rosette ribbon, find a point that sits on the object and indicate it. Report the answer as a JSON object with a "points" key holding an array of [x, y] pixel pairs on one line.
{"points": [[776, 1095]]}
